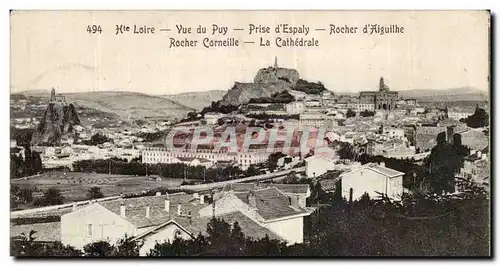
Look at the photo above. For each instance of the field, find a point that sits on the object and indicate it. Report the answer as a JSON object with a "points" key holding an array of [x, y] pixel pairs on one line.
{"points": [[74, 185]]}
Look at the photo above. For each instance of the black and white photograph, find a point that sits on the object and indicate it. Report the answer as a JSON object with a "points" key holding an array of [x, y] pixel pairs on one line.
{"points": [[259, 133]]}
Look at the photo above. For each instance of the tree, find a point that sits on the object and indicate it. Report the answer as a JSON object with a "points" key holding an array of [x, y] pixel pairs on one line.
{"points": [[26, 195], [479, 119], [251, 171], [309, 87], [99, 249], [443, 163], [272, 161], [346, 151], [291, 178], [367, 113], [238, 240], [350, 113], [25, 246], [99, 138], [94, 193], [51, 196], [127, 247]]}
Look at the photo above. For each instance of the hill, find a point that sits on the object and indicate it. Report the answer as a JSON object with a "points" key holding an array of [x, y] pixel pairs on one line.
{"points": [[196, 100], [129, 105], [267, 82], [453, 94]]}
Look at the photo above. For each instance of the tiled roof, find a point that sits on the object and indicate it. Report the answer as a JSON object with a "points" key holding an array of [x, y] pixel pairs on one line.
{"points": [[44, 231], [135, 211], [328, 185], [474, 139], [271, 203], [285, 188], [291, 188], [248, 226], [377, 168], [198, 225], [239, 187], [386, 171]]}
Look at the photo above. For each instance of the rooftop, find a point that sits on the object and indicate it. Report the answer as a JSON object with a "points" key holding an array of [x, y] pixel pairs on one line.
{"points": [[45, 232], [285, 188], [135, 211], [381, 169], [271, 203]]}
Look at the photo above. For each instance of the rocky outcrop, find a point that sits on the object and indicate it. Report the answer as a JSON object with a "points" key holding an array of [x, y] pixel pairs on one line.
{"points": [[58, 121], [267, 82], [274, 75]]}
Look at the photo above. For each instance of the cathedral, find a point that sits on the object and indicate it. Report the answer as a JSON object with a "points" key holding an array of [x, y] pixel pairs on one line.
{"points": [[384, 99]]}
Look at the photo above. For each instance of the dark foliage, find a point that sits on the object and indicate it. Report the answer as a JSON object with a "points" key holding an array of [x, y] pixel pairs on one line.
{"points": [[367, 113], [218, 107], [479, 119], [26, 246], [30, 165], [94, 193], [51, 196], [279, 97], [309, 87], [350, 113], [97, 139]]}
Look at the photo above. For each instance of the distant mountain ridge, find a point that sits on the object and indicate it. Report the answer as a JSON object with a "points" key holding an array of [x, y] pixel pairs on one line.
{"points": [[196, 100], [452, 94], [439, 95], [130, 105]]}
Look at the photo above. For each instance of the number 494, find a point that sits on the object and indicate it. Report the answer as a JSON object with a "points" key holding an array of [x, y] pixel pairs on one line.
{"points": [[93, 29]]}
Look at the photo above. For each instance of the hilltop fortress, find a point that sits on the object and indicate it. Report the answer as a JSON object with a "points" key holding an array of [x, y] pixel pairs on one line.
{"points": [[267, 82]]}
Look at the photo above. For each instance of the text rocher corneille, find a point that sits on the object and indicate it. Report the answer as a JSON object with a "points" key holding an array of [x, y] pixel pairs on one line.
{"points": [[206, 42]]}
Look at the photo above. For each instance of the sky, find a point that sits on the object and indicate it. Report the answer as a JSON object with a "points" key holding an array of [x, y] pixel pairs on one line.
{"points": [[438, 50]]}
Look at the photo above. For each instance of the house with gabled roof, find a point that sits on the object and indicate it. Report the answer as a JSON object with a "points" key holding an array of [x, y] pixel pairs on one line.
{"points": [[299, 192], [268, 207], [189, 228], [318, 164], [156, 219], [373, 179], [112, 220]]}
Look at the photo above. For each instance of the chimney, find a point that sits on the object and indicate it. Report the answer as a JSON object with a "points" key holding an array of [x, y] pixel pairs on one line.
{"points": [[74, 207], [179, 209], [158, 193], [472, 152], [483, 156], [147, 212], [294, 201], [382, 164], [167, 204], [202, 199], [252, 201], [479, 154], [122, 210]]}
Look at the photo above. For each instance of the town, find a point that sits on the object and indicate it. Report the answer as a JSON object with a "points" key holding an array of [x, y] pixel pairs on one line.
{"points": [[280, 167]]}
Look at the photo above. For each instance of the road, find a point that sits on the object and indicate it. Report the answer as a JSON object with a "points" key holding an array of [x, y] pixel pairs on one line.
{"points": [[203, 187]]}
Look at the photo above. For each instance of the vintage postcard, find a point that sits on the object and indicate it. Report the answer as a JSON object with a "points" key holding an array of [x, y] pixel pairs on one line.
{"points": [[250, 133]]}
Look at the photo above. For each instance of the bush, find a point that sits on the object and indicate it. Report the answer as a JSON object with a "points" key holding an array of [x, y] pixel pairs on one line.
{"points": [[367, 113], [51, 196]]}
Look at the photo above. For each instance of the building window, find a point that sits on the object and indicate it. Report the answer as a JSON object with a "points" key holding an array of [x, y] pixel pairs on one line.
{"points": [[177, 234], [89, 229]]}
